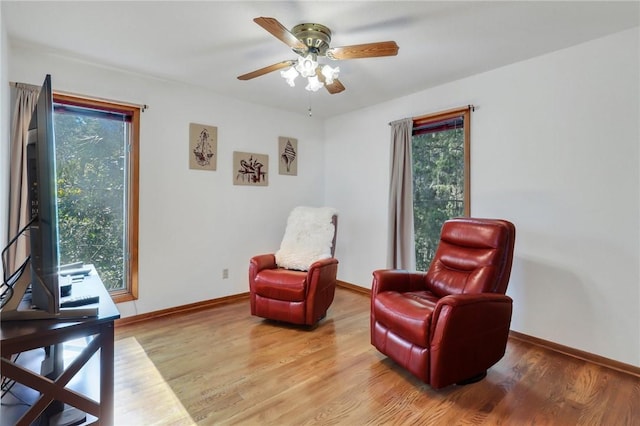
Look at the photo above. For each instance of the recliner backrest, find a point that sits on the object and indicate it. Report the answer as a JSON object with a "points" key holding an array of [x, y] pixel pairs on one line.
{"points": [[473, 256], [334, 220]]}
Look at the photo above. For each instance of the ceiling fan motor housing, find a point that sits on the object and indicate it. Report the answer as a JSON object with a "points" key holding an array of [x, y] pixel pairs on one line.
{"points": [[315, 36]]}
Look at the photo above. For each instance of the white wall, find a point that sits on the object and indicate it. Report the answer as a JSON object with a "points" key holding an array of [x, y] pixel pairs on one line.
{"points": [[4, 134], [193, 223], [555, 149]]}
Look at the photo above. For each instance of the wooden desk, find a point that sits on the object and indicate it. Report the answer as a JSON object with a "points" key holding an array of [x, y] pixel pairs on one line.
{"points": [[22, 336]]}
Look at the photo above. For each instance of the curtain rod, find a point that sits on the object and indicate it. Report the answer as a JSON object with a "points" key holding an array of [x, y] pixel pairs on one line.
{"points": [[142, 107], [469, 107], [449, 111]]}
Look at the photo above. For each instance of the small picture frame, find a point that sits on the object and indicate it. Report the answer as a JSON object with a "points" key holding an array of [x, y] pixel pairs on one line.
{"points": [[203, 147], [287, 156], [250, 169]]}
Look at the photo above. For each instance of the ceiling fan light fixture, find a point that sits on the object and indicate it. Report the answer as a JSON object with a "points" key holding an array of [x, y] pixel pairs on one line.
{"points": [[308, 41], [314, 84], [307, 65], [290, 75], [330, 73]]}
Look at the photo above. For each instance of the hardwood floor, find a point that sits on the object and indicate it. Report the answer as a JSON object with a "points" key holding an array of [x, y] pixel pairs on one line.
{"points": [[222, 366]]}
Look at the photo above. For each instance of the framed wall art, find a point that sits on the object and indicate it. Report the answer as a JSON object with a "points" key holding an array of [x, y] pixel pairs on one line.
{"points": [[250, 169], [203, 147], [288, 156]]}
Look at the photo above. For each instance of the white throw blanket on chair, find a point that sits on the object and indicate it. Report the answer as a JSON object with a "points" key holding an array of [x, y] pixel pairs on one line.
{"points": [[308, 237]]}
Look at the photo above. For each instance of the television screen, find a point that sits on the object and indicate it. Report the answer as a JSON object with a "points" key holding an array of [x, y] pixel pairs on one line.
{"points": [[41, 175]]}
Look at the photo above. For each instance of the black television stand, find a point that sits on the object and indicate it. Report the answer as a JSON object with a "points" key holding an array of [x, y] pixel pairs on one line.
{"points": [[58, 413], [37, 314], [74, 384]]}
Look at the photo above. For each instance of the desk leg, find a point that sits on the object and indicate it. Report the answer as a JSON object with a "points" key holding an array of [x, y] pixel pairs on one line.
{"points": [[106, 373]]}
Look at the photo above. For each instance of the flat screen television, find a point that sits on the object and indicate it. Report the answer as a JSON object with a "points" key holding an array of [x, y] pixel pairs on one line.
{"points": [[42, 230], [41, 175], [43, 240]]}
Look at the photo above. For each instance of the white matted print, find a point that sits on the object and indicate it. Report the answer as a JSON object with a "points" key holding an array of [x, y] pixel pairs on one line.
{"points": [[203, 146], [250, 169], [288, 153]]}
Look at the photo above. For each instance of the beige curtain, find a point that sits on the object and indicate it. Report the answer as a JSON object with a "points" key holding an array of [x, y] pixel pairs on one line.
{"points": [[401, 252], [26, 99]]}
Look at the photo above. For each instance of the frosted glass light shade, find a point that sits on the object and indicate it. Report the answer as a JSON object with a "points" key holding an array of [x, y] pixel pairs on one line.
{"points": [[290, 75], [314, 84], [307, 66], [330, 74]]}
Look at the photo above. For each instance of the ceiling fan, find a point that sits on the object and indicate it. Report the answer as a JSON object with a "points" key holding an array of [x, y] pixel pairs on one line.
{"points": [[309, 41]]}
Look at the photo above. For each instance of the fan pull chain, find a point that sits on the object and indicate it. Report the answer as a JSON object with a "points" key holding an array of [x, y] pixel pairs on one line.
{"points": [[310, 112]]}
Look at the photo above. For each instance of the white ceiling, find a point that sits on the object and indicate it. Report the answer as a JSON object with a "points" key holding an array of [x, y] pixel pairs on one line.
{"points": [[210, 43]]}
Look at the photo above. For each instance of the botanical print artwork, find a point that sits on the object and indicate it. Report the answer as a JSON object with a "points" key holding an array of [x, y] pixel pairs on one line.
{"points": [[203, 146], [250, 169], [288, 151]]}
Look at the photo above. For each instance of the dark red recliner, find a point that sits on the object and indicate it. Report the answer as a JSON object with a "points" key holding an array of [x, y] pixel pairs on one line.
{"points": [[450, 324], [297, 283]]}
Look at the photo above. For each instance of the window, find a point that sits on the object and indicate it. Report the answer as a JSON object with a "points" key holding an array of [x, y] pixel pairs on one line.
{"points": [[440, 154], [97, 172]]}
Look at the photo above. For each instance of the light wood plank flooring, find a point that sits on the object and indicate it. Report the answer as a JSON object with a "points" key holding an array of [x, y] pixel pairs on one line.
{"points": [[222, 366]]}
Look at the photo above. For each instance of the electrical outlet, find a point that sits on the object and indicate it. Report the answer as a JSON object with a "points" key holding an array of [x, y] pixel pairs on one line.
{"points": [[225, 273]]}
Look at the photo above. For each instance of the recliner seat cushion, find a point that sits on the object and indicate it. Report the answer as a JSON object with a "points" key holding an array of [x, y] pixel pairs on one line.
{"points": [[281, 284], [406, 314]]}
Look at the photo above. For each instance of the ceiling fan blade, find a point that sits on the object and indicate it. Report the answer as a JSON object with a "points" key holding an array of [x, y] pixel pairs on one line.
{"points": [[368, 50], [335, 87], [266, 70], [280, 32]]}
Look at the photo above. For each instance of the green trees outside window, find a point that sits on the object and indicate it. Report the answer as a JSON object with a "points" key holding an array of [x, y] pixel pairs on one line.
{"points": [[94, 172], [440, 180]]}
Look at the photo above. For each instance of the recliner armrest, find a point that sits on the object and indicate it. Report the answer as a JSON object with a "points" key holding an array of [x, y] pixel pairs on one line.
{"points": [[323, 262], [397, 280], [322, 272], [469, 333], [321, 285], [262, 261], [462, 310]]}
